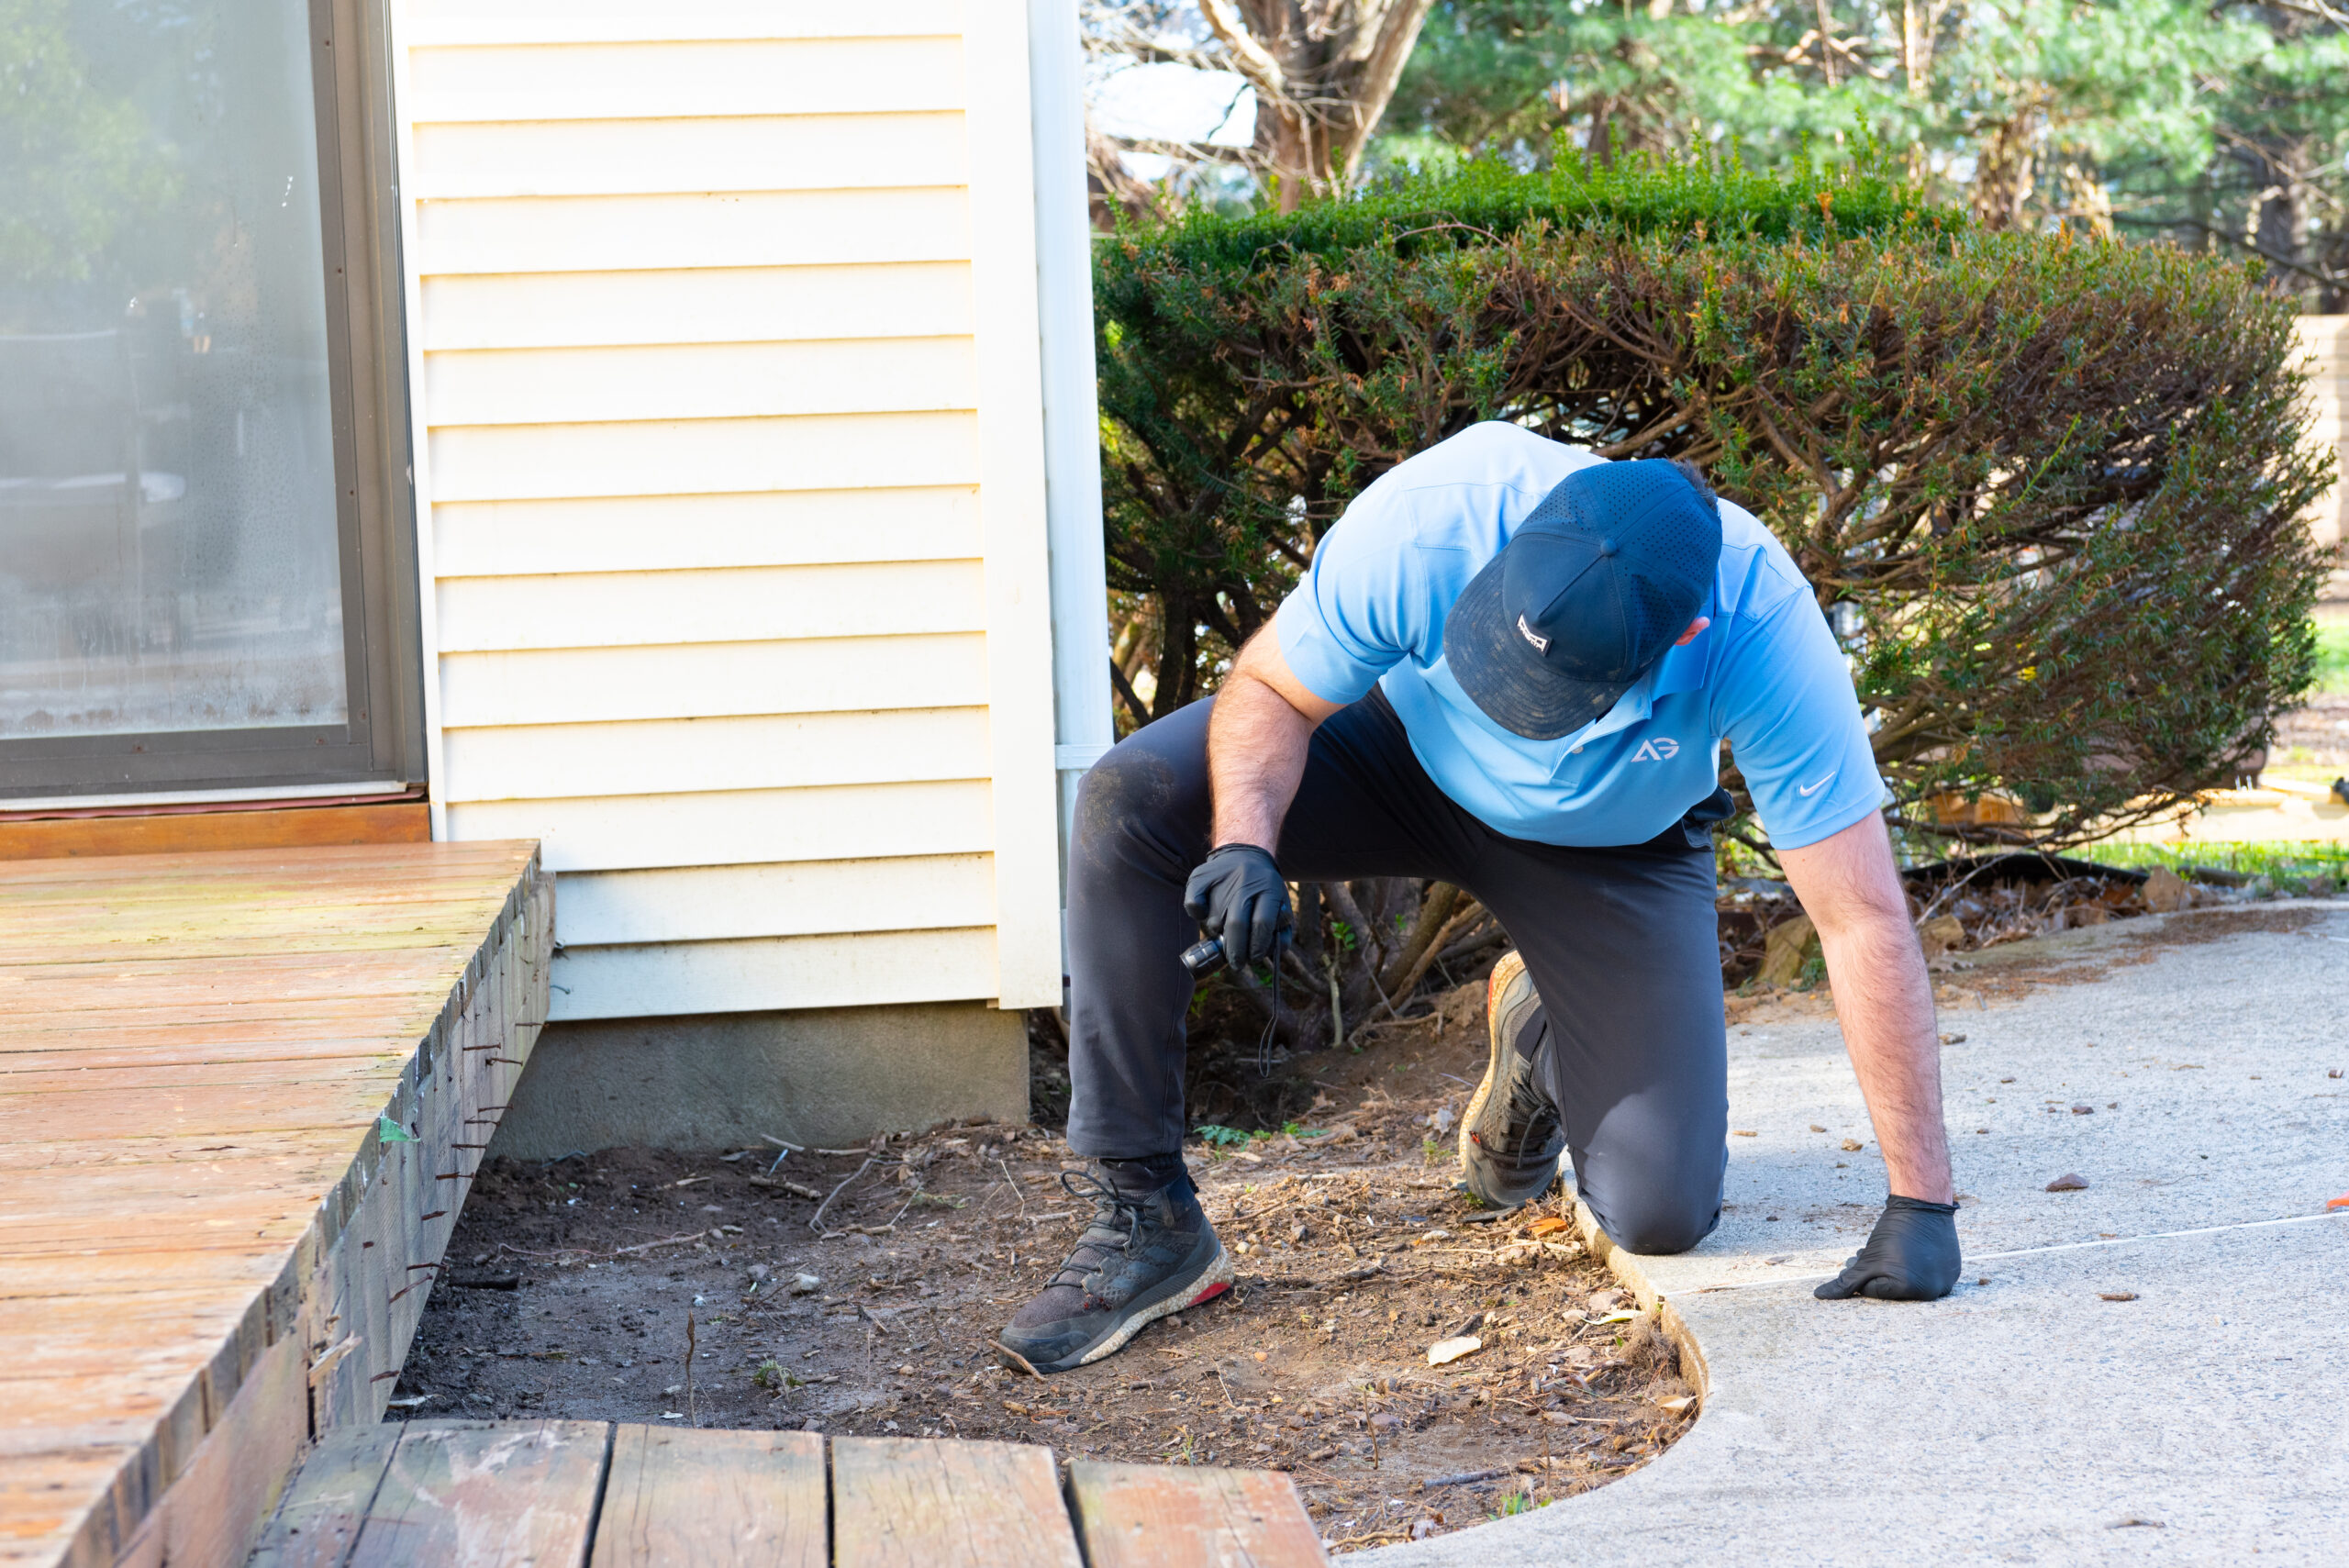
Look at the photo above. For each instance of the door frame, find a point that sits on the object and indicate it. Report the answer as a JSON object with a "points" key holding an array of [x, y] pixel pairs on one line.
{"points": [[383, 745]]}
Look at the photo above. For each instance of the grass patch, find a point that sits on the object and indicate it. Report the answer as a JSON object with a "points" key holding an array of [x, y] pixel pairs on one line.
{"points": [[2320, 863], [2333, 650]]}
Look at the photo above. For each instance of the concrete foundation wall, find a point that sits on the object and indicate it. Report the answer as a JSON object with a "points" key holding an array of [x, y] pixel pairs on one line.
{"points": [[827, 1076]]}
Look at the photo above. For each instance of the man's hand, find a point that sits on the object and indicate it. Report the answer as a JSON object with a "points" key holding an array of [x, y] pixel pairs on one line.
{"points": [[1239, 897], [1912, 1256]]}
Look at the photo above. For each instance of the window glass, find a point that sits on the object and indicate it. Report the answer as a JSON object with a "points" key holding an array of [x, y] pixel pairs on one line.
{"points": [[169, 548]]}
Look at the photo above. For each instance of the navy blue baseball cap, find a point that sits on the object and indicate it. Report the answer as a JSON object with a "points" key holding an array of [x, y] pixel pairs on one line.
{"points": [[1597, 584]]}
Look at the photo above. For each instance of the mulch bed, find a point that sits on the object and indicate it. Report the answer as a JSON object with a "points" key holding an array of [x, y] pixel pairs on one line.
{"points": [[580, 1288]]}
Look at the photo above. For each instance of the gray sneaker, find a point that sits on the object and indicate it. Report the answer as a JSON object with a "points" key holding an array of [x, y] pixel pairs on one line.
{"points": [[1144, 1258], [1511, 1137]]}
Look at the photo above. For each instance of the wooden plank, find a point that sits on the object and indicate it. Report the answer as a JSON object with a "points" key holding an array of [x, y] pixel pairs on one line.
{"points": [[400, 822], [763, 152], [698, 380], [487, 1495], [1156, 1516], [755, 975], [666, 756], [219, 1501], [710, 305], [673, 80], [677, 533], [748, 827], [443, 22], [726, 1499], [706, 680], [715, 902], [153, 1291], [700, 229], [319, 1516], [905, 1503], [745, 604], [811, 452]]}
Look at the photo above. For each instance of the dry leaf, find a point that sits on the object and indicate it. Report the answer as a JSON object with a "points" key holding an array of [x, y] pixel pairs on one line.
{"points": [[1443, 1353], [2116, 1295], [1548, 1225], [1676, 1405], [1851, 1146], [2069, 1182]]}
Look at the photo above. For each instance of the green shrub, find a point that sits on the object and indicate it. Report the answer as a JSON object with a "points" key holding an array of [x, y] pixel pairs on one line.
{"points": [[2049, 490]]}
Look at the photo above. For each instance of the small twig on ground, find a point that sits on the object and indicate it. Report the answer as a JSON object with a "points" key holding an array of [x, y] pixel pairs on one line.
{"points": [[665, 1241], [815, 1220], [1015, 1185], [693, 1416]]}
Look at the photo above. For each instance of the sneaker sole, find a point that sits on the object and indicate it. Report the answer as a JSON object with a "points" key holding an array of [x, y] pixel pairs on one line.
{"points": [[1210, 1282], [1505, 974]]}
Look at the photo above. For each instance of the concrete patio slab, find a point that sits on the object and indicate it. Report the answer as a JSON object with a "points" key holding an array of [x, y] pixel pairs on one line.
{"points": [[2026, 1419]]}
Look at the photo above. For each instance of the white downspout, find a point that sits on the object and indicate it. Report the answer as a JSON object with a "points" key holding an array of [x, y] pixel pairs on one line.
{"points": [[1082, 727]]}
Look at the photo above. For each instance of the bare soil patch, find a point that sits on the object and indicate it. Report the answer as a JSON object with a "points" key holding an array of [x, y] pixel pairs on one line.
{"points": [[588, 1287]]}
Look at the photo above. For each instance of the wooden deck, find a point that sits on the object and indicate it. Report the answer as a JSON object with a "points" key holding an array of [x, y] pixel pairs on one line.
{"points": [[585, 1495], [241, 1096]]}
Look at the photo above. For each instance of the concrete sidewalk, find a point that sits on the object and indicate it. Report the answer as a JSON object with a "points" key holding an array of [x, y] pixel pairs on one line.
{"points": [[2026, 1419]]}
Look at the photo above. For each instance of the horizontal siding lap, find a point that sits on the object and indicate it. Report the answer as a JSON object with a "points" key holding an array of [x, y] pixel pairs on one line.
{"points": [[587, 685], [781, 151], [713, 305], [740, 827], [672, 79], [713, 903], [700, 381], [669, 457], [745, 605], [669, 978], [671, 533], [724, 228], [429, 22], [678, 756]]}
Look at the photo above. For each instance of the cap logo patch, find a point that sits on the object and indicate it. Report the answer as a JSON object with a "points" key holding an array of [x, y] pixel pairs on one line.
{"points": [[1541, 643]]}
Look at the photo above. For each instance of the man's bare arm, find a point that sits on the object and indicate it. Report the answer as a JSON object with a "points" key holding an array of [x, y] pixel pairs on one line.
{"points": [[1263, 721], [1849, 887]]}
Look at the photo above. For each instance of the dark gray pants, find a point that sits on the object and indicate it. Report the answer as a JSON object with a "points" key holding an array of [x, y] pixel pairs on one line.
{"points": [[1620, 944]]}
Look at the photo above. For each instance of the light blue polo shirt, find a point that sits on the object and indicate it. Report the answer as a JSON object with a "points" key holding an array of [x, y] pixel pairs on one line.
{"points": [[1766, 674]]}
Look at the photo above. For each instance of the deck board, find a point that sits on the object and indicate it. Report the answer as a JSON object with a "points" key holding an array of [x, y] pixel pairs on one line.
{"points": [[904, 1502], [487, 1495], [1159, 1516], [207, 1249], [717, 1500]]}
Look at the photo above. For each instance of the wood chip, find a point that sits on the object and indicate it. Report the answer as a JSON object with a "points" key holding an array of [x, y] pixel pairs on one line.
{"points": [[1443, 1353]]}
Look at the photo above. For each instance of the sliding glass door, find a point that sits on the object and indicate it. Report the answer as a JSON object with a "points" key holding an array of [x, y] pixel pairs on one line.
{"points": [[202, 500]]}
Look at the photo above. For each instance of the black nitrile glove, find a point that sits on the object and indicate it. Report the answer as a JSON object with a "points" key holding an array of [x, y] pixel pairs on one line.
{"points": [[1237, 895], [1912, 1256]]}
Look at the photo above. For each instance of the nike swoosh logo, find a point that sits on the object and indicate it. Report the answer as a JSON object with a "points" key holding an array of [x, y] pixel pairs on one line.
{"points": [[1813, 789]]}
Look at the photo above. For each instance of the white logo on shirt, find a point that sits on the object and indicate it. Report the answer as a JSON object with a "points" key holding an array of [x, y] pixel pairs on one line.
{"points": [[1541, 643], [1812, 789], [1662, 748]]}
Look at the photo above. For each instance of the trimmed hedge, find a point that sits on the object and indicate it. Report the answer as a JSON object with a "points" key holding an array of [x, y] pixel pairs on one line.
{"points": [[2049, 490]]}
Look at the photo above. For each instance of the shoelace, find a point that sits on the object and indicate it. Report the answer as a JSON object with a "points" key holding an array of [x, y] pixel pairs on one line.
{"points": [[1109, 1205]]}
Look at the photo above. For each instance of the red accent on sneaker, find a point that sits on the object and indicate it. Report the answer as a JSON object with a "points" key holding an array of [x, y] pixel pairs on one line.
{"points": [[1209, 1294]]}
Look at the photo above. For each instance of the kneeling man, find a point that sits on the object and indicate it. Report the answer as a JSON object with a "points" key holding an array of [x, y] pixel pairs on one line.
{"points": [[1509, 668]]}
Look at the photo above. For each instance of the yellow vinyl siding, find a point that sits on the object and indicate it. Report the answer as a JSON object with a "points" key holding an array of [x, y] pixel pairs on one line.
{"points": [[737, 588]]}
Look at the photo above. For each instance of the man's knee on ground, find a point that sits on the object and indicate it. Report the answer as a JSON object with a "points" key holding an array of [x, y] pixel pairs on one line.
{"points": [[1657, 1225]]}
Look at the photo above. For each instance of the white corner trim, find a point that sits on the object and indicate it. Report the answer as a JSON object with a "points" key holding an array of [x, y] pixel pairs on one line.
{"points": [[419, 429], [1012, 503]]}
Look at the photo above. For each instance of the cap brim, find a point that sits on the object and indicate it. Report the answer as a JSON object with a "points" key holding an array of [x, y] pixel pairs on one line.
{"points": [[1504, 675]]}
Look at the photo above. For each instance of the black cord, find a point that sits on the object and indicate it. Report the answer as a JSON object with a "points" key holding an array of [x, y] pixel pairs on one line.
{"points": [[1265, 1042]]}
